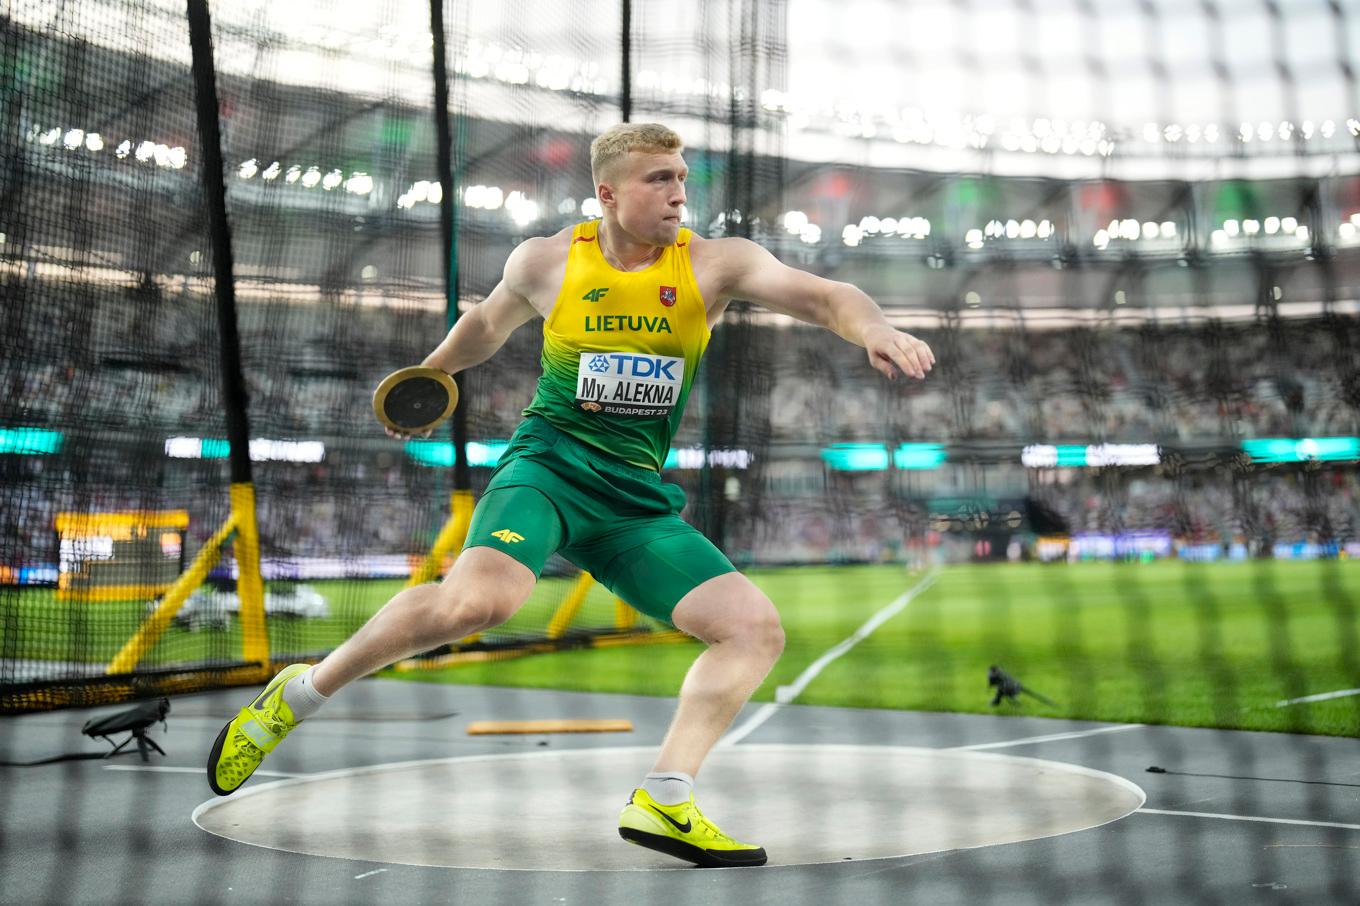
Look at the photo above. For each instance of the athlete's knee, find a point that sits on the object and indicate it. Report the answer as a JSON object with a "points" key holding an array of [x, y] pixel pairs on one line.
{"points": [[730, 609], [479, 605], [754, 623], [471, 601], [483, 589]]}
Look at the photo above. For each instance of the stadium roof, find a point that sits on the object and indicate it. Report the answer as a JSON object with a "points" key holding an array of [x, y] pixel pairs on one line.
{"points": [[1158, 89]]}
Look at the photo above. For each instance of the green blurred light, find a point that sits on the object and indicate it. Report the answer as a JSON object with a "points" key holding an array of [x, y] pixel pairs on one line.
{"points": [[395, 132], [1072, 455], [441, 452], [430, 452], [30, 441], [919, 456], [1291, 449], [703, 168], [856, 457], [1235, 200]]}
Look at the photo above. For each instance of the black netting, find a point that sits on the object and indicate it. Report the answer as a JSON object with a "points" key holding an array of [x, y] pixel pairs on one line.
{"points": [[110, 348], [1129, 233]]}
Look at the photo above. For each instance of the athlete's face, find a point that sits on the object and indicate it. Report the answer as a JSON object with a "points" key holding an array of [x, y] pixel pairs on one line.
{"points": [[647, 196]]}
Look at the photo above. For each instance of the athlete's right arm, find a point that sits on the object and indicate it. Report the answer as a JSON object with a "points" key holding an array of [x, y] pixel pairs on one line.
{"points": [[481, 331]]}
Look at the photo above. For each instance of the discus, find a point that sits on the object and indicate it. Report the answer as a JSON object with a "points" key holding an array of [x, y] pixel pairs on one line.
{"points": [[414, 400]]}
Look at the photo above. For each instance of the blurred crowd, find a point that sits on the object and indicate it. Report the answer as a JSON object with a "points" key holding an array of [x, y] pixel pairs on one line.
{"points": [[1154, 384], [311, 368], [144, 372], [1211, 507]]}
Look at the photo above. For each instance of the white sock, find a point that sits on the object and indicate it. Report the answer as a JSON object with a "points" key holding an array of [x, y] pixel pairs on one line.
{"points": [[669, 787], [302, 696]]}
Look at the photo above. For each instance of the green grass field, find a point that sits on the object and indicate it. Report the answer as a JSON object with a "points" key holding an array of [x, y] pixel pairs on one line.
{"points": [[1213, 645]]}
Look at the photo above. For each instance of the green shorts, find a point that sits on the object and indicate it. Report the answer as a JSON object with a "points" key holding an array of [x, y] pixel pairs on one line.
{"points": [[620, 522]]}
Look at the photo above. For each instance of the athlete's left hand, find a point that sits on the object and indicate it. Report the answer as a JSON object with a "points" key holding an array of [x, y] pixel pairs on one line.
{"points": [[891, 350]]}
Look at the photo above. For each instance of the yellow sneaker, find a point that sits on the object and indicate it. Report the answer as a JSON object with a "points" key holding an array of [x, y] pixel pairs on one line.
{"points": [[683, 831], [251, 735]]}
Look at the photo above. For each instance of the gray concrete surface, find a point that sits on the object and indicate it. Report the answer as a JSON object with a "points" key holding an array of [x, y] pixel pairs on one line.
{"points": [[114, 832]]}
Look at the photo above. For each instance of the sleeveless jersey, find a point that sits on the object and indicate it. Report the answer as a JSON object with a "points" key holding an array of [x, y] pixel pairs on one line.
{"points": [[620, 350]]}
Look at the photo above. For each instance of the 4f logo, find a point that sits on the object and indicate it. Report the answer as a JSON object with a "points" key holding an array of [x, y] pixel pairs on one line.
{"points": [[508, 536], [595, 295]]}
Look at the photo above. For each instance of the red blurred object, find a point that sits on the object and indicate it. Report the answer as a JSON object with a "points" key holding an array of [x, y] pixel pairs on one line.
{"points": [[1349, 197], [1102, 196], [831, 185], [555, 153]]}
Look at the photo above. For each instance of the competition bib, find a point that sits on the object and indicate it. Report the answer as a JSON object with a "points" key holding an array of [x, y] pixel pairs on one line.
{"points": [[628, 383]]}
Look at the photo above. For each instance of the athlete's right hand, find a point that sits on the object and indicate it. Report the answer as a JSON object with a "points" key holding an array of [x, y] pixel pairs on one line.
{"points": [[892, 351]]}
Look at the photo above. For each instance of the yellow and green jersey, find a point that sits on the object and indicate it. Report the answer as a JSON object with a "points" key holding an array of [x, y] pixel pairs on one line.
{"points": [[620, 350]]}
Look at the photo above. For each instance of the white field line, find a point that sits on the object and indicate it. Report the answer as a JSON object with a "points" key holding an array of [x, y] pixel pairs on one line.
{"points": [[785, 695], [1320, 697], [765, 712], [1157, 811], [165, 769], [1054, 737]]}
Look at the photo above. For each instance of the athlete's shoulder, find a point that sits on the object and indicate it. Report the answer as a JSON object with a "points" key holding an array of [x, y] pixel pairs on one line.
{"points": [[722, 248], [537, 249], [533, 260], [722, 256]]}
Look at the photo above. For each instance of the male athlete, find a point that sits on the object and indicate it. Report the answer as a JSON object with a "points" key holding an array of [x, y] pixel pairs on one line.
{"points": [[627, 304]]}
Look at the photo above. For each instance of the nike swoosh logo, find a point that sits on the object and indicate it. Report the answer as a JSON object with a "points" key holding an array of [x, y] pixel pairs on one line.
{"points": [[583, 239], [268, 690], [683, 828]]}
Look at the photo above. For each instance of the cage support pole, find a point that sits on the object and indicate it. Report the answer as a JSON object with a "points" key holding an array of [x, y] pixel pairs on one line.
{"points": [[448, 230], [626, 62], [249, 584]]}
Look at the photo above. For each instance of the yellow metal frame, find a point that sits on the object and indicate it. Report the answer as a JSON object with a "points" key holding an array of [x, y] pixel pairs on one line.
{"points": [[92, 523], [570, 606], [111, 593], [249, 587], [118, 524], [625, 619], [464, 658], [249, 581], [625, 616], [450, 540]]}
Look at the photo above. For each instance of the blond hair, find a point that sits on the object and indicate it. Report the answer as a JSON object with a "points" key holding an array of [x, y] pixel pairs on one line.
{"points": [[615, 142]]}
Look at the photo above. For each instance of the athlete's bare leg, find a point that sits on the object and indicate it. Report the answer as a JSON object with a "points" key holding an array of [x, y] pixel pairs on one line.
{"points": [[483, 589], [744, 639]]}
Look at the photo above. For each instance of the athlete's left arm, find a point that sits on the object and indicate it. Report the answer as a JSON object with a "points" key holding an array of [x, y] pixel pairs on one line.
{"points": [[748, 271]]}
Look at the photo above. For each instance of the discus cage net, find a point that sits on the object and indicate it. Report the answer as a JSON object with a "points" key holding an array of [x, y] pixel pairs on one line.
{"points": [[117, 454], [1143, 314]]}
